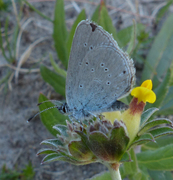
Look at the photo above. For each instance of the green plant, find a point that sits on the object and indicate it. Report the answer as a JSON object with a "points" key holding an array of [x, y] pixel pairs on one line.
{"points": [[111, 141], [25, 174], [155, 160]]}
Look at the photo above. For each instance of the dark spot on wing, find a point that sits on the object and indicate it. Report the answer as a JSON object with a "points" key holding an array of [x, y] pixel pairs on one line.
{"points": [[102, 64], [127, 89], [93, 27], [124, 72], [92, 70], [131, 80], [91, 47], [106, 69], [108, 82]]}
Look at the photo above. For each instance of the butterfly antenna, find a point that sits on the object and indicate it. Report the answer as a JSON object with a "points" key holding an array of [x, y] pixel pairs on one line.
{"points": [[32, 117], [53, 101]]}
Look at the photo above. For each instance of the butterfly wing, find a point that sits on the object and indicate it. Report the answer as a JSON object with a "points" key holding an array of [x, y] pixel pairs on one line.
{"points": [[99, 72]]}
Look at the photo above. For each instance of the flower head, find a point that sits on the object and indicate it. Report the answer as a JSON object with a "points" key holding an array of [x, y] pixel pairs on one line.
{"points": [[80, 144], [132, 116], [144, 93]]}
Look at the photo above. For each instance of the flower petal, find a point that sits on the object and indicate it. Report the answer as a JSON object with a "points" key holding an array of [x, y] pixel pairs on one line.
{"points": [[147, 84], [144, 94]]}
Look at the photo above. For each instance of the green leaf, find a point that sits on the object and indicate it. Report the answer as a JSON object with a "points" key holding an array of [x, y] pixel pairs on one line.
{"points": [[51, 157], [5, 78], [144, 171], [147, 114], [3, 5], [160, 142], [118, 136], [96, 15], [142, 140], [59, 157], [154, 122], [28, 172], [50, 117], [80, 151], [130, 168], [84, 138], [161, 131], [145, 176], [167, 107], [169, 96], [62, 129], [162, 90], [126, 157], [163, 10], [9, 174], [7, 41], [60, 32], [106, 22], [160, 175], [124, 35], [171, 76], [132, 42], [159, 159], [55, 80], [60, 71], [80, 17], [102, 176], [25, 174], [160, 54], [46, 151], [53, 142], [37, 11]]}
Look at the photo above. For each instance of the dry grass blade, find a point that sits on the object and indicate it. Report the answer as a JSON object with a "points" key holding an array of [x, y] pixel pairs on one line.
{"points": [[15, 12], [22, 70], [9, 81], [155, 11], [26, 55], [76, 7], [131, 5], [20, 34]]}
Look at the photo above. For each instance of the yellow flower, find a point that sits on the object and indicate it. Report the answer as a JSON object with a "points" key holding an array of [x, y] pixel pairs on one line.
{"points": [[132, 116], [111, 116], [144, 93]]}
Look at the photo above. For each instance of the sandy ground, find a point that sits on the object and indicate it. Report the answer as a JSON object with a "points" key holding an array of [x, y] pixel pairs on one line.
{"points": [[19, 140]]}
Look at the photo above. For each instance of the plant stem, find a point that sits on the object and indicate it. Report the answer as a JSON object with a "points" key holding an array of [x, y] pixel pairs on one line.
{"points": [[115, 174]]}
